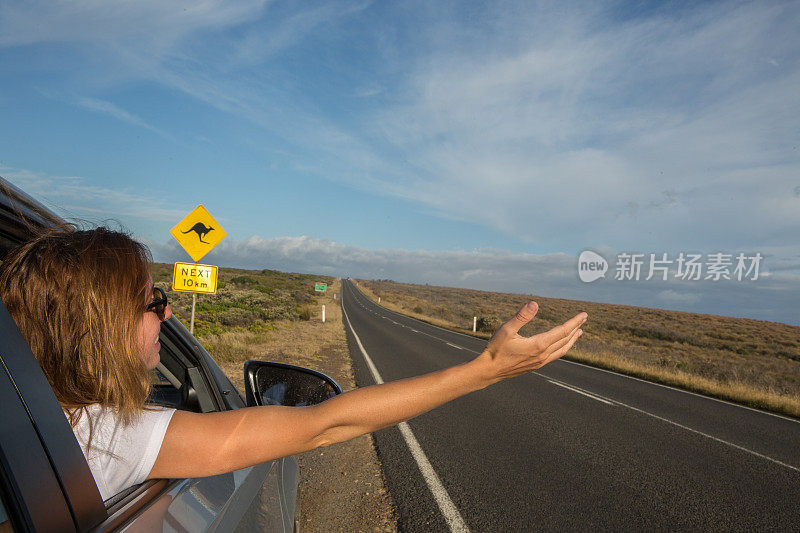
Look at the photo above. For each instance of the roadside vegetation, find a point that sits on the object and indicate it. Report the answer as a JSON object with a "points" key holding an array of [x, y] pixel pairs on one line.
{"points": [[753, 362], [261, 314], [252, 301]]}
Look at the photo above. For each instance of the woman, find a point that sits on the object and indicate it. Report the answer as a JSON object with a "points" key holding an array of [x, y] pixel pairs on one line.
{"points": [[85, 302]]}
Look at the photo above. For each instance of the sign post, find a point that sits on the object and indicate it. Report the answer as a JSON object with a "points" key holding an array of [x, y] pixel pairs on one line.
{"points": [[198, 233], [321, 287]]}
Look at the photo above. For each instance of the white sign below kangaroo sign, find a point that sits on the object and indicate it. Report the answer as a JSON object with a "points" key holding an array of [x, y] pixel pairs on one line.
{"points": [[198, 233]]}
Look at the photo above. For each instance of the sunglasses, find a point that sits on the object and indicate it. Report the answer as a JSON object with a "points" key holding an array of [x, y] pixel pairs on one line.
{"points": [[159, 303]]}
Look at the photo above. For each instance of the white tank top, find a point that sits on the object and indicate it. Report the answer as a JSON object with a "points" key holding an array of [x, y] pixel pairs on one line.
{"points": [[121, 456]]}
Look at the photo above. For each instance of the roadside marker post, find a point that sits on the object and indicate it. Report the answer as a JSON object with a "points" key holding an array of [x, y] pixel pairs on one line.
{"points": [[323, 314], [197, 233], [474, 324]]}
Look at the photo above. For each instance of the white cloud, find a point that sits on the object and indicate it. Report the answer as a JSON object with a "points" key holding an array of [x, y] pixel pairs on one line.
{"points": [[114, 111], [578, 131], [673, 297], [77, 197], [152, 24]]}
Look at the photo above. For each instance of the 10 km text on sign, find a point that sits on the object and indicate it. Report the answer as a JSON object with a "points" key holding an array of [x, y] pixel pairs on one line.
{"points": [[191, 277]]}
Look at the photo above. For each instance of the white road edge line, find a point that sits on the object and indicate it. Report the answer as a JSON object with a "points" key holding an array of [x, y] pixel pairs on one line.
{"points": [[581, 392], [449, 511]]}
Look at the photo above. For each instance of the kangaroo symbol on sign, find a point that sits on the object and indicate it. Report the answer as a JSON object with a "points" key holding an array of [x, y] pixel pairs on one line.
{"points": [[201, 231]]}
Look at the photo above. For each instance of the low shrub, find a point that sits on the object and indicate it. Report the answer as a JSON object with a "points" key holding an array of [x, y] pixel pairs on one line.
{"points": [[238, 316], [489, 324], [304, 312]]}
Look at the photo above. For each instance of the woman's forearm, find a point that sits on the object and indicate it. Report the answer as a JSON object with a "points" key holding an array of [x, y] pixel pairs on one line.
{"points": [[371, 408]]}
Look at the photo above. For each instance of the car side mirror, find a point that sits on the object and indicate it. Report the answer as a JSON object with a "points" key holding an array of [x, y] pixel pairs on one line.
{"points": [[268, 383]]}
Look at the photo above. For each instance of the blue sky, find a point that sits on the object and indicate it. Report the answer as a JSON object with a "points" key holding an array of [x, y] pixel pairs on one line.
{"points": [[461, 143]]}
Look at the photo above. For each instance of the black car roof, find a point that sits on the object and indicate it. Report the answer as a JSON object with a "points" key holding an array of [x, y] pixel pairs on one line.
{"points": [[20, 216]]}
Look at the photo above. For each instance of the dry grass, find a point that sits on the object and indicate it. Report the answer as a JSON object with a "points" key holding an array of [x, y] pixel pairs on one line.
{"points": [[753, 362]]}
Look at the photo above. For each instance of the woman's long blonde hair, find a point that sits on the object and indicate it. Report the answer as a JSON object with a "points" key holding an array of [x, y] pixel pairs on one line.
{"points": [[78, 297]]}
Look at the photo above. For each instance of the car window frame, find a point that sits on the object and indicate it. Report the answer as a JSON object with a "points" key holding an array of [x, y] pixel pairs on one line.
{"points": [[54, 453], [31, 494], [223, 392]]}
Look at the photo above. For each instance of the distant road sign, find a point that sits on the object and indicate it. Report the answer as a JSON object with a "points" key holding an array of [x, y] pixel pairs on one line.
{"points": [[198, 233], [191, 277], [321, 287]]}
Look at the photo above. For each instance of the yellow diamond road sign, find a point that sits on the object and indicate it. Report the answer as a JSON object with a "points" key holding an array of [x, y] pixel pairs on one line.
{"points": [[191, 277], [198, 233]]}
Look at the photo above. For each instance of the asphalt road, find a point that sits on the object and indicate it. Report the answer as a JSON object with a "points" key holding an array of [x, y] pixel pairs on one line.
{"points": [[571, 447]]}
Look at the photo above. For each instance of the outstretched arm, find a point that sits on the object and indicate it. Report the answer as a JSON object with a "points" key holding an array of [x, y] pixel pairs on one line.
{"points": [[206, 444]]}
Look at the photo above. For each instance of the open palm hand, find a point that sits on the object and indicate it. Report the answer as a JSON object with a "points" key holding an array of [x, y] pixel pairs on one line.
{"points": [[512, 354]]}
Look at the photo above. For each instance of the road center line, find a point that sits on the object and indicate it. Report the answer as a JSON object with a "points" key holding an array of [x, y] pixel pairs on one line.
{"points": [[678, 390], [453, 345], [449, 511], [742, 448], [593, 397], [687, 428]]}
